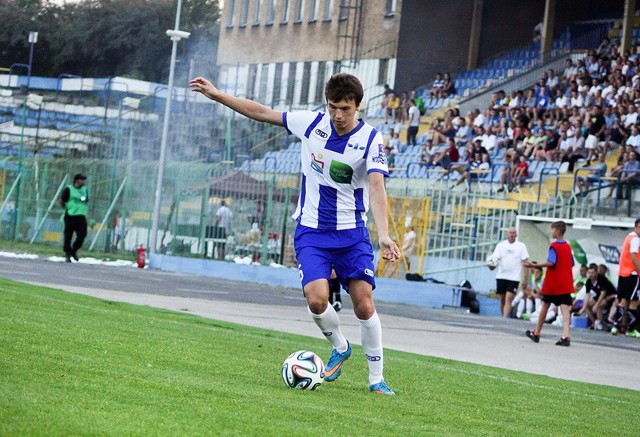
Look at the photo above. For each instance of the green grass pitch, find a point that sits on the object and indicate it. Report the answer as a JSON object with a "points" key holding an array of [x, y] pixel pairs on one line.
{"points": [[76, 365]]}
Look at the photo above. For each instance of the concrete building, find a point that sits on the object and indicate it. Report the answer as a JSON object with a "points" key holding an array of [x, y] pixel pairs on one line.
{"points": [[281, 52]]}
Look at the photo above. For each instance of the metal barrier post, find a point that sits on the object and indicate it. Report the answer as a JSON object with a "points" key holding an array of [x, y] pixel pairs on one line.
{"points": [[108, 214], [53, 202]]}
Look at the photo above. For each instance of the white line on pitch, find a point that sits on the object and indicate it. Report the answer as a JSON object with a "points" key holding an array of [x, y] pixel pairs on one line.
{"points": [[109, 281], [195, 290], [17, 272]]}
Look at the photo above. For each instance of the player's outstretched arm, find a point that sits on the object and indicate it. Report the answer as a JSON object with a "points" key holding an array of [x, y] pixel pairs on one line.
{"points": [[378, 203], [246, 107]]}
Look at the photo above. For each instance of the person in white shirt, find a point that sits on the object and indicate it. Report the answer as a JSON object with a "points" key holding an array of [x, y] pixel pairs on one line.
{"points": [[608, 90], [408, 250], [413, 121], [479, 120], [562, 101], [343, 166], [552, 80], [576, 100], [570, 69], [507, 258], [632, 116], [595, 87], [634, 138], [463, 132], [224, 216], [489, 139]]}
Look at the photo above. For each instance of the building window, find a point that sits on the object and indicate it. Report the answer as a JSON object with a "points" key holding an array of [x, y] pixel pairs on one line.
{"points": [[251, 80], [264, 82], [232, 11], [322, 73], [344, 9], [382, 71], [271, 13], [256, 18], [337, 66], [299, 11], [314, 11], [244, 13], [277, 84], [327, 10], [285, 12], [390, 9], [306, 83], [291, 83]]}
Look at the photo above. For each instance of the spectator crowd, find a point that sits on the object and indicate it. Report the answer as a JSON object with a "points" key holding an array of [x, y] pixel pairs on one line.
{"points": [[574, 118]]}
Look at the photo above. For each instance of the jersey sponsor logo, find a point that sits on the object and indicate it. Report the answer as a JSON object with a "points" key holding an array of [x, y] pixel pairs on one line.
{"points": [[321, 134], [368, 272], [317, 164], [611, 254], [381, 157], [373, 357], [340, 172]]}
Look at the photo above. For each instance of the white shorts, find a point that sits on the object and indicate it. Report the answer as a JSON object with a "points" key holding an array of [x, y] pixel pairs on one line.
{"points": [[591, 142]]}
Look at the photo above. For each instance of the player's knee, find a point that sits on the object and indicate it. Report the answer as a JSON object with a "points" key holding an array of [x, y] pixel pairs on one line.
{"points": [[364, 310], [317, 306]]}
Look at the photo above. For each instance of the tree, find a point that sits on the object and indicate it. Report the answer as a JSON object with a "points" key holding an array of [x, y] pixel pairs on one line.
{"points": [[104, 38]]}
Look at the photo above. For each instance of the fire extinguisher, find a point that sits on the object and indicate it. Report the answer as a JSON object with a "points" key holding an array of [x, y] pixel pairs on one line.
{"points": [[141, 256]]}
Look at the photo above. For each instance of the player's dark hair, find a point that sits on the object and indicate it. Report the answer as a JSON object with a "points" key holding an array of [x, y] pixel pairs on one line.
{"points": [[637, 221], [344, 86], [560, 226]]}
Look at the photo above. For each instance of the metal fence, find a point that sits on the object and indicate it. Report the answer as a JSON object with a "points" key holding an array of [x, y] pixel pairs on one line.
{"points": [[192, 192]]}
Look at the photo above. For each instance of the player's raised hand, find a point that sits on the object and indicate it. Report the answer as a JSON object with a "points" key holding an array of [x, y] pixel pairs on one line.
{"points": [[389, 249], [205, 87]]}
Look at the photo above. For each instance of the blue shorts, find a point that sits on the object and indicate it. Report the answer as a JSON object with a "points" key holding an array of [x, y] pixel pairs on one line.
{"points": [[350, 255]]}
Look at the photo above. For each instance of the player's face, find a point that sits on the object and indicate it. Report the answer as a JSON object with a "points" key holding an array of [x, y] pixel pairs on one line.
{"points": [[511, 235], [343, 115]]}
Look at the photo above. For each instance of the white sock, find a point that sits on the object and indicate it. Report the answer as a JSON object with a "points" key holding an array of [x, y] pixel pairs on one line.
{"points": [[516, 300], [520, 309], [529, 305], [329, 324], [371, 338]]}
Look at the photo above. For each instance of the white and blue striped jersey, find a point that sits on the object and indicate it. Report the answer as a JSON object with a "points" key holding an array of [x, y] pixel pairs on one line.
{"points": [[335, 188]]}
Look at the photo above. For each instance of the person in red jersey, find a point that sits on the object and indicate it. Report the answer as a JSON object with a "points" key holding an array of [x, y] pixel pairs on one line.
{"points": [[558, 283]]}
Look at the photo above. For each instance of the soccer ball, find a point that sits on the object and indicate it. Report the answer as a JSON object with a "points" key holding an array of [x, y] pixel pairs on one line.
{"points": [[303, 370], [492, 261]]}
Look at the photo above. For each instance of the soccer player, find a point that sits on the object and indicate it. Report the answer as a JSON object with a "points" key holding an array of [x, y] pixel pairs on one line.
{"points": [[343, 170], [628, 284], [558, 283]]}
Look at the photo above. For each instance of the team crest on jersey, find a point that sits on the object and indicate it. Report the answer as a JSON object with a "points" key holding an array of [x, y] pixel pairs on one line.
{"points": [[317, 164], [381, 157], [355, 146]]}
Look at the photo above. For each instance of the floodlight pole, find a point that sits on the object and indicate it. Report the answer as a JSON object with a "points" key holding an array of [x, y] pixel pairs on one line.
{"points": [[33, 38], [175, 35]]}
